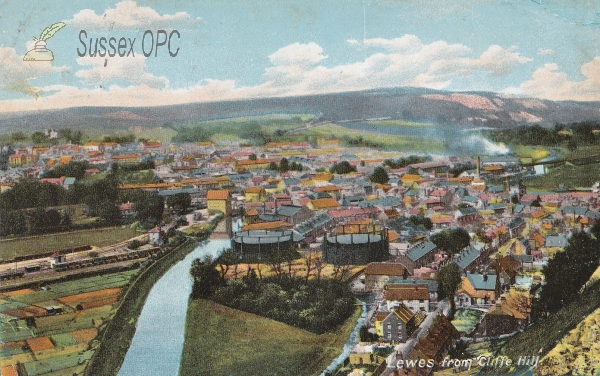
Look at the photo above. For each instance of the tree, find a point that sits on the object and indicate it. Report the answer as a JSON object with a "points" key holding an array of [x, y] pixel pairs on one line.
{"points": [[38, 137], [149, 207], [180, 202], [227, 258], [284, 165], [452, 240], [206, 278], [514, 199], [566, 273], [341, 168], [379, 176], [12, 222], [449, 278], [252, 157]]}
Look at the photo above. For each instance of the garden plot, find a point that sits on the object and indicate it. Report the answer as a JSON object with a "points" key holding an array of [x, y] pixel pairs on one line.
{"points": [[465, 320]]}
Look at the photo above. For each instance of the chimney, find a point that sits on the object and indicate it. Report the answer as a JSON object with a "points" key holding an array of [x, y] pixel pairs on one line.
{"points": [[485, 278], [478, 166]]}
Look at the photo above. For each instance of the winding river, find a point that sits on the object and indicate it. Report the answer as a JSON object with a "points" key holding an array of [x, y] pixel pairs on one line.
{"points": [[158, 341]]}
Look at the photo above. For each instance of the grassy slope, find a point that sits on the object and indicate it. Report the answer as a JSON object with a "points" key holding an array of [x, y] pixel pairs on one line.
{"points": [[45, 243], [221, 340], [546, 334], [571, 176]]}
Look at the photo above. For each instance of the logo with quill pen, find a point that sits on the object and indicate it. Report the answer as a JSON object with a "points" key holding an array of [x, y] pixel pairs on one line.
{"points": [[40, 52]]}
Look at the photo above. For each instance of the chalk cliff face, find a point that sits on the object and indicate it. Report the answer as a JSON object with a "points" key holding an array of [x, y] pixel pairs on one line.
{"points": [[578, 351], [422, 105]]}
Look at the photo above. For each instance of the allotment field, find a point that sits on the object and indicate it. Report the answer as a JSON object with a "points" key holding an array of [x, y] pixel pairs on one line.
{"points": [[53, 242]]}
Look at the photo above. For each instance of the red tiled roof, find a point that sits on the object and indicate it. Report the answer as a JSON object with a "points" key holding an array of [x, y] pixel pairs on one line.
{"points": [[217, 194]]}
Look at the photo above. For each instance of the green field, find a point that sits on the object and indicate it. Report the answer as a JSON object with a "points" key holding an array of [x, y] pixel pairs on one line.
{"points": [[47, 243], [570, 175], [222, 341], [385, 141]]}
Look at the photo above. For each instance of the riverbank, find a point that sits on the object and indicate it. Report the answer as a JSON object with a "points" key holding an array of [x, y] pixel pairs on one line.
{"points": [[220, 340], [117, 335]]}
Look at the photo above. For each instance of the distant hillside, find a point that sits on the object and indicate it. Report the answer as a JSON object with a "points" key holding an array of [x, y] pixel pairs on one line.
{"points": [[420, 105]]}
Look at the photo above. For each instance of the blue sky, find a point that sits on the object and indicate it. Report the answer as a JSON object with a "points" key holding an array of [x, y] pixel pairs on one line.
{"points": [[246, 49]]}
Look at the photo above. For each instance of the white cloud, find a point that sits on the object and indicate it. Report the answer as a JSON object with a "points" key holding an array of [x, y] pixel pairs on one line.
{"points": [[128, 15], [296, 69], [549, 83], [301, 55], [405, 62], [132, 69], [15, 74], [546, 51]]}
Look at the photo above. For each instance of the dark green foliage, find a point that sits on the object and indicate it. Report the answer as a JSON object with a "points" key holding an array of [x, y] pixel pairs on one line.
{"points": [[38, 138], [206, 278], [149, 206], [361, 142], [29, 193], [452, 240], [366, 336], [252, 157], [514, 199], [73, 169], [227, 258], [146, 165], [538, 135], [448, 281], [343, 167], [120, 139], [459, 350], [315, 305], [379, 176], [419, 220], [134, 244], [12, 222], [252, 131], [192, 134], [567, 272], [285, 166], [403, 162], [73, 137], [527, 135], [180, 202]]}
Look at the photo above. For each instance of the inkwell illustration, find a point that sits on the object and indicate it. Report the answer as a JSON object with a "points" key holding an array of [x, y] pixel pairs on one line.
{"points": [[40, 52]]}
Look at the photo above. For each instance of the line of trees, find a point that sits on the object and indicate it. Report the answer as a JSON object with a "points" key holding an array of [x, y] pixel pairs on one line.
{"points": [[403, 162], [102, 198], [317, 305], [284, 165]]}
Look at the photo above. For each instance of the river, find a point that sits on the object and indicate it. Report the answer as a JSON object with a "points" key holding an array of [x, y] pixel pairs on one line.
{"points": [[158, 341]]}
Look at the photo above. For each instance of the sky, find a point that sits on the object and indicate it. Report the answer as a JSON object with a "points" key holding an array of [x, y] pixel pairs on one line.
{"points": [[232, 49]]}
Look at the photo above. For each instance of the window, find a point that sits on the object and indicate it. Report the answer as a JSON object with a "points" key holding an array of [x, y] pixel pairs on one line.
{"points": [[421, 301], [389, 326]]}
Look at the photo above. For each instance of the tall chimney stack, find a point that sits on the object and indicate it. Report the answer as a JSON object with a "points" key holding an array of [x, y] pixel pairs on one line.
{"points": [[478, 167]]}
